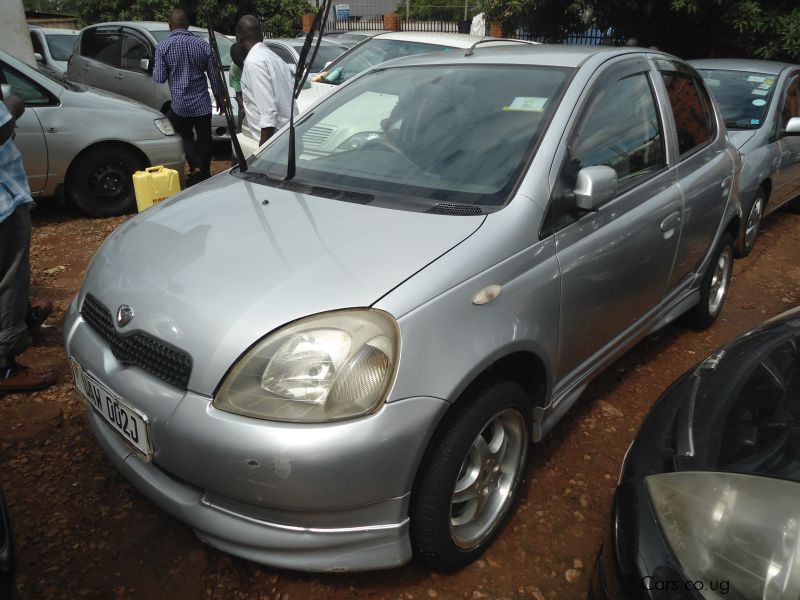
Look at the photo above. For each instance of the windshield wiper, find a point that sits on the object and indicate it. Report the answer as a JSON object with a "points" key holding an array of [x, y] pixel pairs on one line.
{"points": [[301, 75], [737, 125]]}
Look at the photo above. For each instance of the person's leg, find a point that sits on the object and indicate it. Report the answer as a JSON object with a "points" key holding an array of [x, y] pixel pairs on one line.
{"points": [[15, 278], [202, 126], [184, 127], [240, 115]]}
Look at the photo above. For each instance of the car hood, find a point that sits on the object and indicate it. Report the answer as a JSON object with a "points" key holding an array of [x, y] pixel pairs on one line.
{"points": [[739, 137], [738, 411], [218, 267], [310, 96], [95, 98]]}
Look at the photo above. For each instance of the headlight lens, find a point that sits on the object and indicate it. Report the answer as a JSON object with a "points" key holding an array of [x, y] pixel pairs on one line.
{"points": [[739, 529], [165, 126], [327, 367]]}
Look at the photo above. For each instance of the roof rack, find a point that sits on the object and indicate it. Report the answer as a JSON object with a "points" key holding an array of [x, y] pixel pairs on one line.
{"points": [[486, 39]]}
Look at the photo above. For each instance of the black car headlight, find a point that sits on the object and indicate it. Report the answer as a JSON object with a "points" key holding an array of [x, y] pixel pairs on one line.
{"points": [[741, 529]]}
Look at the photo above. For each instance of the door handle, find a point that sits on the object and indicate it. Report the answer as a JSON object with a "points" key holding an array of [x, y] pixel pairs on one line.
{"points": [[85, 67], [119, 76], [726, 182], [671, 222]]}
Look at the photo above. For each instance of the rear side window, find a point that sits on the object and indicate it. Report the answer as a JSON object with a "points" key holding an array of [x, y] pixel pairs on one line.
{"points": [[103, 45], [283, 53], [691, 109]]}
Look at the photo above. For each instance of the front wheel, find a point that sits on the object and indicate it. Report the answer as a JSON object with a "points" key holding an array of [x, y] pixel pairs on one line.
{"points": [[100, 183], [471, 476], [749, 229], [714, 287]]}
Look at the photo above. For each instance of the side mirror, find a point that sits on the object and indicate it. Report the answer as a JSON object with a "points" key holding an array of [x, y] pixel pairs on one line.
{"points": [[38, 57], [144, 64], [594, 187], [327, 64], [5, 90], [793, 126]]}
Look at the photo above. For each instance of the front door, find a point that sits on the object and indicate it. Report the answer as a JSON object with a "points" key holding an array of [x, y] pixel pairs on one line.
{"points": [[615, 262], [787, 179], [131, 80], [98, 59]]}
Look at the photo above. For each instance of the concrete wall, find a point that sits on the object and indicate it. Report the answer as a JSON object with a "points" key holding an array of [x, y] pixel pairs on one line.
{"points": [[14, 36]]}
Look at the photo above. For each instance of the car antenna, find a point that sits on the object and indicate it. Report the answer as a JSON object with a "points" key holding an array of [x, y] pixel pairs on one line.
{"points": [[485, 40], [227, 107], [301, 75]]}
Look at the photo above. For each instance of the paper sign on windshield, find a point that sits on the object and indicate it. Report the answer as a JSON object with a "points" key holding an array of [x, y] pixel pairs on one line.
{"points": [[527, 103]]}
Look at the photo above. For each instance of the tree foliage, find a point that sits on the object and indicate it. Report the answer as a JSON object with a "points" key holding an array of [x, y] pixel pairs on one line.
{"points": [[279, 17], [439, 10]]}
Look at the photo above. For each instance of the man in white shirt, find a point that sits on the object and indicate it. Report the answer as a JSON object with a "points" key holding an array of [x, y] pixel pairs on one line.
{"points": [[267, 83]]}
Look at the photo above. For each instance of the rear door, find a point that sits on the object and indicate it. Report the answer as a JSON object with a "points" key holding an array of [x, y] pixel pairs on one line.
{"points": [[131, 80], [615, 262], [98, 59], [705, 169], [787, 179]]}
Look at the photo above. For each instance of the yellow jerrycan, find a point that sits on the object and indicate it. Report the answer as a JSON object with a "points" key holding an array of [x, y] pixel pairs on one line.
{"points": [[153, 185]]}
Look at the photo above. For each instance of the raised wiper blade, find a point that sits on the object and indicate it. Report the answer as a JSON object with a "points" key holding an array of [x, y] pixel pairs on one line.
{"points": [[736, 125]]}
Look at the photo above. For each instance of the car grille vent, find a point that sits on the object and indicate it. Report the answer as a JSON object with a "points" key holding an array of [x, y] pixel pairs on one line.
{"points": [[139, 349], [446, 208], [313, 190], [318, 135]]}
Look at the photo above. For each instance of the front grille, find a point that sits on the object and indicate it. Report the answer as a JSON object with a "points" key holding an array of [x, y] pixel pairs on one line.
{"points": [[139, 349], [318, 135]]}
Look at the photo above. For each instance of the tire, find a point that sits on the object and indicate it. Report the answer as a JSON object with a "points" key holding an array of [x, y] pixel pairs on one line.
{"points": [[467, 450], [748, 231], [100, 183], [714, 287]]}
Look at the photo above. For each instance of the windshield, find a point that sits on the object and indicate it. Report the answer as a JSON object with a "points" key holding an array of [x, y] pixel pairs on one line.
{"points": [[743, 96], [223, 43], [373, 52], [61, 46], [326, 54], [416, 136]]}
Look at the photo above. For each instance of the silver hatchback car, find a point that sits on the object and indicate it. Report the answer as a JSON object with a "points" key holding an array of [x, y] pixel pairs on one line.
{"points": [[760, 102], [336, 371]]}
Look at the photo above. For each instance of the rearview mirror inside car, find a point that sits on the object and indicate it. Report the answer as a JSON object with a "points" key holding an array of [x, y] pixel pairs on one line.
{"points": [[594, 187]]}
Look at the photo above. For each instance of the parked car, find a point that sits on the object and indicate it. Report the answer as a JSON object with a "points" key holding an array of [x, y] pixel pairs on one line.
{"points": [[327, 372], [760, 102], [7, 556], [707, 504], [349, 38], [119, 57], [83, 142], [53, 47], [373, 51], [288, 49]]}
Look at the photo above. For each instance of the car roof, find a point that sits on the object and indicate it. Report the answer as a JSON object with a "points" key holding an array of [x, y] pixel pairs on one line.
{"points": [[147, 25], [740, 64], [299, 42], [454, 40], [508, 52], [54, 31]]}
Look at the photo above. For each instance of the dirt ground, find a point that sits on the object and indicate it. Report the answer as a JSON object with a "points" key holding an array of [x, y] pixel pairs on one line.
{"points": [[82, 531]]}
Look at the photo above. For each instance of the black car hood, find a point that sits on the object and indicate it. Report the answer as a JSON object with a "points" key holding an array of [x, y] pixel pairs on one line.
{"points": [[738, 411]]}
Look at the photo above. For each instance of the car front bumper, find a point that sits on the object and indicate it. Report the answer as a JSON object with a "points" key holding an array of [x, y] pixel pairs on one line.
{"points": [[319, 497], [167, 152]]}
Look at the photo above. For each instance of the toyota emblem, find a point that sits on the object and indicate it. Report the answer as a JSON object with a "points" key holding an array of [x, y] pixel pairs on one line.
{"points": [[124, 315]]}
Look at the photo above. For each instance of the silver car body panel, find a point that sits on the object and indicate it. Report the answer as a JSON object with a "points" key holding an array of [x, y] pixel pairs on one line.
{"points": [[287, 255], [51, 137]]}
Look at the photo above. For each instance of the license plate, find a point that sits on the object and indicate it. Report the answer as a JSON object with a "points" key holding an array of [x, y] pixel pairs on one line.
{"points": [[130, 423]]}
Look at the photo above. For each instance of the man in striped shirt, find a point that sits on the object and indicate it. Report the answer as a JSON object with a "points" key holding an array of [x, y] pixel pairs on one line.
{"points": [[184, 60]]}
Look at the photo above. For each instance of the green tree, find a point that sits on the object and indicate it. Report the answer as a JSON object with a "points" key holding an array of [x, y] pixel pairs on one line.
{"points": [[550, 20], [439, 10]]}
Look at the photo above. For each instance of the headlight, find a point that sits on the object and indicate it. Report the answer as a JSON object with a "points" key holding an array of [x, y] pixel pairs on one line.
{"points": [[327, 367], [165, 126], [739, 529], [354, 142]]}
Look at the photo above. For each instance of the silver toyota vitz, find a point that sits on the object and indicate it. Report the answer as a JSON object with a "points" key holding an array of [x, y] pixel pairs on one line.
{"points": [[760, 102], [345, 369]]}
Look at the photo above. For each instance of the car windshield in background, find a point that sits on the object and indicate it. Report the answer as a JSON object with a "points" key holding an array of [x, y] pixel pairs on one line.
{"points": [[223, 43], [374, 52], [743, 96], [61, 46], [326, 54], [416, 136]]}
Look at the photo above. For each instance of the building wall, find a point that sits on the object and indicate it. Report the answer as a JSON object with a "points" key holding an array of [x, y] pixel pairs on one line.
{"points": [[14, 36]]}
